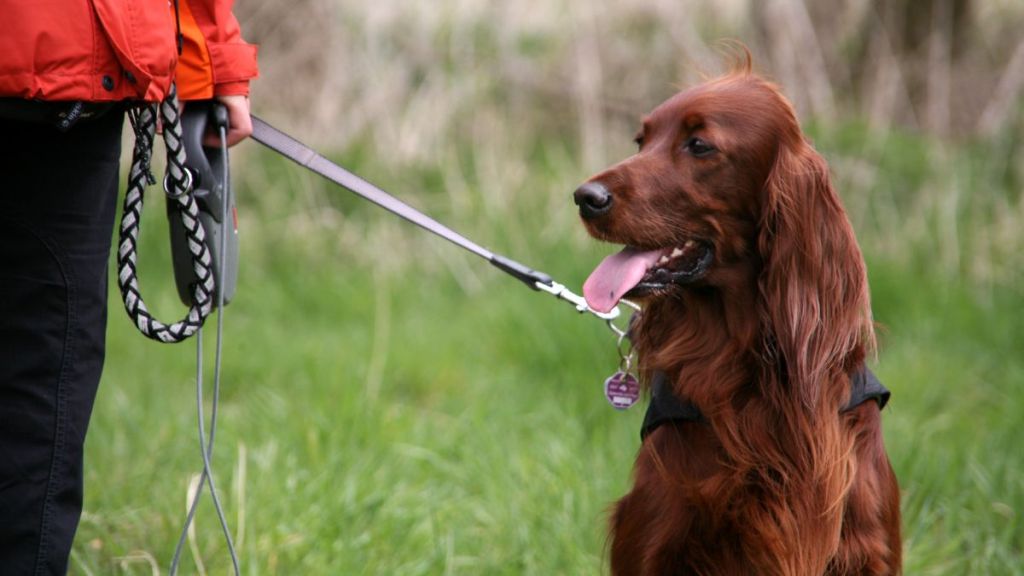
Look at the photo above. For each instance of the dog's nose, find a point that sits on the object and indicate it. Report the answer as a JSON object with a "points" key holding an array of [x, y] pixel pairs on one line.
{"points": [[593, 199]]}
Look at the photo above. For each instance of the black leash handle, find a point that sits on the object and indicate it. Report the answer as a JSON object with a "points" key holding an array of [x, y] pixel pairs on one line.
{"points": [[209, 168]]}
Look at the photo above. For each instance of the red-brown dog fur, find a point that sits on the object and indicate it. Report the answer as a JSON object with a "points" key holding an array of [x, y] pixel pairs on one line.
{"points": [[777, 481]]}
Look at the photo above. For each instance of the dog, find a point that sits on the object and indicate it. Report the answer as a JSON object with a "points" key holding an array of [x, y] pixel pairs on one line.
{"points": [[762, 450]]}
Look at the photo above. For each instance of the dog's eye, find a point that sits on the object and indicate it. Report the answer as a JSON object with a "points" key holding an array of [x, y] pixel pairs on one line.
{"points": [[698, 147]]}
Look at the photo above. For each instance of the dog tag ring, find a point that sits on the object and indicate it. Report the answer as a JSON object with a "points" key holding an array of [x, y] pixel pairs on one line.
{"points": [[622, 390]]}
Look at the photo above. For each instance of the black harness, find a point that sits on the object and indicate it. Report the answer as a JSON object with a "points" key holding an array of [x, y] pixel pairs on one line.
{"points": [[666, 407]]}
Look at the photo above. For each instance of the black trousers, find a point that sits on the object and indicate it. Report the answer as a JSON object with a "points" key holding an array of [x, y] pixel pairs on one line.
{"points": [[58, 195]]}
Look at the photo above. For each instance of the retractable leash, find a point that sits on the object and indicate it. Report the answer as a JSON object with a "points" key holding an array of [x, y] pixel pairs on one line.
{"points": [[204, 246], [218, 217]]}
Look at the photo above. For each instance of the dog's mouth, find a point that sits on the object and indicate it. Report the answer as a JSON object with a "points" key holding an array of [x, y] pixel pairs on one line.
{"points": [[638, 272]]}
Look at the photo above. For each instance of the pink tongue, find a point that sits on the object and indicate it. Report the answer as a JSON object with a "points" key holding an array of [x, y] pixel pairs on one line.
{"points": [[616, 275]]}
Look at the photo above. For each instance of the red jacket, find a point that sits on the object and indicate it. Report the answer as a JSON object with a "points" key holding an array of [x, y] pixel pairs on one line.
{"points": [[103, 50]]}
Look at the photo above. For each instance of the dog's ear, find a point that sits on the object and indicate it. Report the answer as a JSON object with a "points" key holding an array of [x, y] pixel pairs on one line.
{"points": [[814, 303]]}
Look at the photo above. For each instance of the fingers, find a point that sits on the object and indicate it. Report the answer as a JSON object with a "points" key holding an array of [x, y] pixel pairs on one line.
{"points": [[239, 121]]}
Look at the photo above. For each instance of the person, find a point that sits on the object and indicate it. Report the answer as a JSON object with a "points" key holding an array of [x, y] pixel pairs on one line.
{"points": [[68, 71]]}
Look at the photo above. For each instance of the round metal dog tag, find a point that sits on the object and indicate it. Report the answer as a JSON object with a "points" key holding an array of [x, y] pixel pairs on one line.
{"points": [[622, 390]]}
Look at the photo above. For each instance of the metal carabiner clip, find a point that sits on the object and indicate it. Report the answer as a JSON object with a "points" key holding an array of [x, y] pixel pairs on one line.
{"points": [[560, 291], [622, 334]]}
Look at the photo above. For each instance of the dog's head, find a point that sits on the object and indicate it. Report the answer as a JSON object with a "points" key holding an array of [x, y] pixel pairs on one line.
{"points": [[726, 193], [687, 205]]}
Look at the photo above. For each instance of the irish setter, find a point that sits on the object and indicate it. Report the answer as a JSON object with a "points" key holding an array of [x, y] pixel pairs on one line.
{"points": [[756, 315]]}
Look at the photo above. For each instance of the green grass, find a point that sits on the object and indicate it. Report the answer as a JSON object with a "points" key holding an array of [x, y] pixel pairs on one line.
{"points": [[953, 430], [393, 406]]}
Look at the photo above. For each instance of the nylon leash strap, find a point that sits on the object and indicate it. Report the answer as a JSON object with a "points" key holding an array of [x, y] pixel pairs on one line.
{"points": [[308, 158]]}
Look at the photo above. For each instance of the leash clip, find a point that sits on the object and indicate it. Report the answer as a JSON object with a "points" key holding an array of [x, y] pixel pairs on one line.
{"points": [[561, 292]]}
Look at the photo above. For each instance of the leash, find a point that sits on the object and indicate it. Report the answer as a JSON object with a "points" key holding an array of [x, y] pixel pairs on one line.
{"points": [[308, 158], [204, 246], [621, 389], [205, 253], [177, 186]]}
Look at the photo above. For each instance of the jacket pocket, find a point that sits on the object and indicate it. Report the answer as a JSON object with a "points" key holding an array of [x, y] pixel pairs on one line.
{"points": [[142, 35]]}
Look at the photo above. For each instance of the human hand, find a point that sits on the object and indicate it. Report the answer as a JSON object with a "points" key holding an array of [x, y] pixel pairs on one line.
{"points": [[239, 121]]}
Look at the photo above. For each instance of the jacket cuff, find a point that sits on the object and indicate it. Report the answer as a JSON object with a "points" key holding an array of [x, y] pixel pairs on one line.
{"points": [[233, 63], [232, 89]]}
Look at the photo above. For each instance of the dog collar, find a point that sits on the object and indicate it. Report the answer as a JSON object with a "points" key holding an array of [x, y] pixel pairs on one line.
{"points": [[666, 407]]}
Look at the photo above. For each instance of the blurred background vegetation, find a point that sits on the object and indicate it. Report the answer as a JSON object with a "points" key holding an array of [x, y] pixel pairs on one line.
{"points": [[394, 406], [474, 90]]}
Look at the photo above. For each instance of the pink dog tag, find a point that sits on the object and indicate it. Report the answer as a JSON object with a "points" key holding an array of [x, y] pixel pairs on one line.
{"points": [[622, 390]]}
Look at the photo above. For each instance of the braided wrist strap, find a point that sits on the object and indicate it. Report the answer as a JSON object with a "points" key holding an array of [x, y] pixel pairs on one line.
{"points": [[178, 185]]}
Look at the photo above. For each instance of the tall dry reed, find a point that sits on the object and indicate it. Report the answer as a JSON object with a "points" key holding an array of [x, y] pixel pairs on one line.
{"points": [[472, 88]]}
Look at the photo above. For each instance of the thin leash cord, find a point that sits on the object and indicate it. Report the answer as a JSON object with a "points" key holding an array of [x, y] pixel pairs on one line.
{"points": [[206, 443]]}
